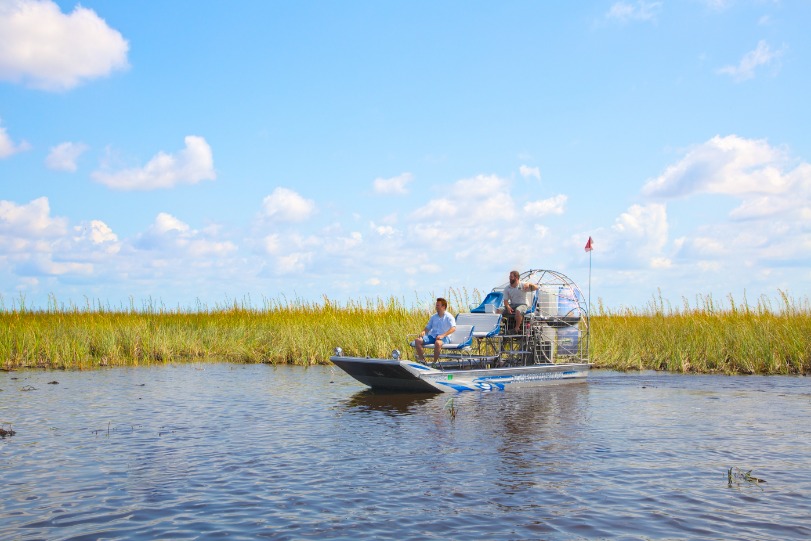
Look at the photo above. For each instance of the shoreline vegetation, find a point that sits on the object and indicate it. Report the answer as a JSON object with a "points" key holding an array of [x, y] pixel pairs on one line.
{"points": [[706, 337]]}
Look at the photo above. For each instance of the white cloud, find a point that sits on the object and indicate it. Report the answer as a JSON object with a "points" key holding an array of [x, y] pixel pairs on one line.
{"points": [[285, 205], [660, 263], [175, 239], [545, 207], [643, 221], [165, 223], [437, 209], [342, 244], [97, 235], [293, 263], [639, 235], [727, 165], [63, 156], [29, 221], [271, 244], [44, 48], [7, 146], [640, 11], [191, 165], [393, 186], [530, 172], [99, 232], [34, 243], [765, 178], [382, 230], [468, 206], [473, 221], [762, 55]]}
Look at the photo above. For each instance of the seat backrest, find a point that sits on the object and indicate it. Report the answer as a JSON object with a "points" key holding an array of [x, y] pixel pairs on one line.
{"points": [[462, 336], [490, 304], [534, 305], [485, 325]]}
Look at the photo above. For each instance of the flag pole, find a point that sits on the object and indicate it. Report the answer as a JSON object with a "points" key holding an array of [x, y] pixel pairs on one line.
{"points": [[589, 283], [589, 249]]}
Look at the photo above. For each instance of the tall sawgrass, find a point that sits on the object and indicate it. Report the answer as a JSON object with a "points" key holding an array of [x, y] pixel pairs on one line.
{"points": [[767, 337], [281, 330]]}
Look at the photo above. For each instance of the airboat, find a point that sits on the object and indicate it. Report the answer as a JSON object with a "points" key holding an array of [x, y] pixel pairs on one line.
{"points": [[487, 354]]}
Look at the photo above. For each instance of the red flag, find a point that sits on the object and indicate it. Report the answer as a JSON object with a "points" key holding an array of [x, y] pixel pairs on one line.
{"points": [[589, 245]]}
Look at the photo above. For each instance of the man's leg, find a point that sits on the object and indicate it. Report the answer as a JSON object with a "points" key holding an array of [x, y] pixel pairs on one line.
{"points": [[437, 348], [418, 346]]}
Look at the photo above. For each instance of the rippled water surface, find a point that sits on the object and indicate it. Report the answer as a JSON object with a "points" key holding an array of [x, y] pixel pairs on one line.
{"points": [[248, 452]]}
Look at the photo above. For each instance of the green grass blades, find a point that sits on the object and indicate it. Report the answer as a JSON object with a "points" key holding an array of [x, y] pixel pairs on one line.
{"points": [[709, 337], [732, 338]]}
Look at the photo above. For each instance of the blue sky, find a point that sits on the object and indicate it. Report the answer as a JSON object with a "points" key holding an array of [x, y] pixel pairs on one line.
{"points": [[209, 151]]}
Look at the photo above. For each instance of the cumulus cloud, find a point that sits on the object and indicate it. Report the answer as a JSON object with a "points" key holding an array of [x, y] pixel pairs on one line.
{"points": [[480, 200], [285, 205], [530, 172], [46, 49], [545, 207], [762, 55], [383, 230], [7, 146], [63, 156], [29, 221], [34, 243], [641, 234], [176, 239], [191, 165], [96, 237], [471, 222], [293, 263], [393, 186], [629, 12], [766, 179]]}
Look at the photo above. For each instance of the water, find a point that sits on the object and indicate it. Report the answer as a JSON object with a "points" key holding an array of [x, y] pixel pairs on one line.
{"points": [[249, 452]]}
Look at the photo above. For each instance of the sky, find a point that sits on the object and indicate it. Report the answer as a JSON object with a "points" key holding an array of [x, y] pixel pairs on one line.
{"points": [[195, 154]]}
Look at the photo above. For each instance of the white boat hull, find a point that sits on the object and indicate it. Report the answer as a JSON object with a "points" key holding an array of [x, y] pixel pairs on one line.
{"points": [[404, 375]]}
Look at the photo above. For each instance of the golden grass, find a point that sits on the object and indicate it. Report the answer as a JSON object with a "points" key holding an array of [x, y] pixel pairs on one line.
{"points": [[733, 339], [281, 332], [768, 338]]}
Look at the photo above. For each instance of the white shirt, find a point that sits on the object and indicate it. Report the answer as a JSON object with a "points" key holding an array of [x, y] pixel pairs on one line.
{"points": [[517, 295], [440, 325]]}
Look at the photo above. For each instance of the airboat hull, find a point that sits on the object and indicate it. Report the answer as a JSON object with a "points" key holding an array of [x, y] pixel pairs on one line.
{"points": [[411, 376]]}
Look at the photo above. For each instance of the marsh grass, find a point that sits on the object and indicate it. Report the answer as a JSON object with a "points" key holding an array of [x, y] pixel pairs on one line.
{"points": [[708, 337], [281, 331]]}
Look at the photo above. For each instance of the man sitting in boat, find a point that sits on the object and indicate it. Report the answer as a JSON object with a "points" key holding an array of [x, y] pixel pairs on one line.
{"points": [[517, 299], [438, 330]]}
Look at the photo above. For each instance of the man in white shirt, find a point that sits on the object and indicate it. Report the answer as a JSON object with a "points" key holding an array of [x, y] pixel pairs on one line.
{"points": [[517, 299], [437, 332]]}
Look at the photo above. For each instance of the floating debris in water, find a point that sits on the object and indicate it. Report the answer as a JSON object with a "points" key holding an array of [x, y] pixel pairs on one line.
{"points": [[736, 477], [6, 431], [28, 388], [451, 408], [54, 382]]}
